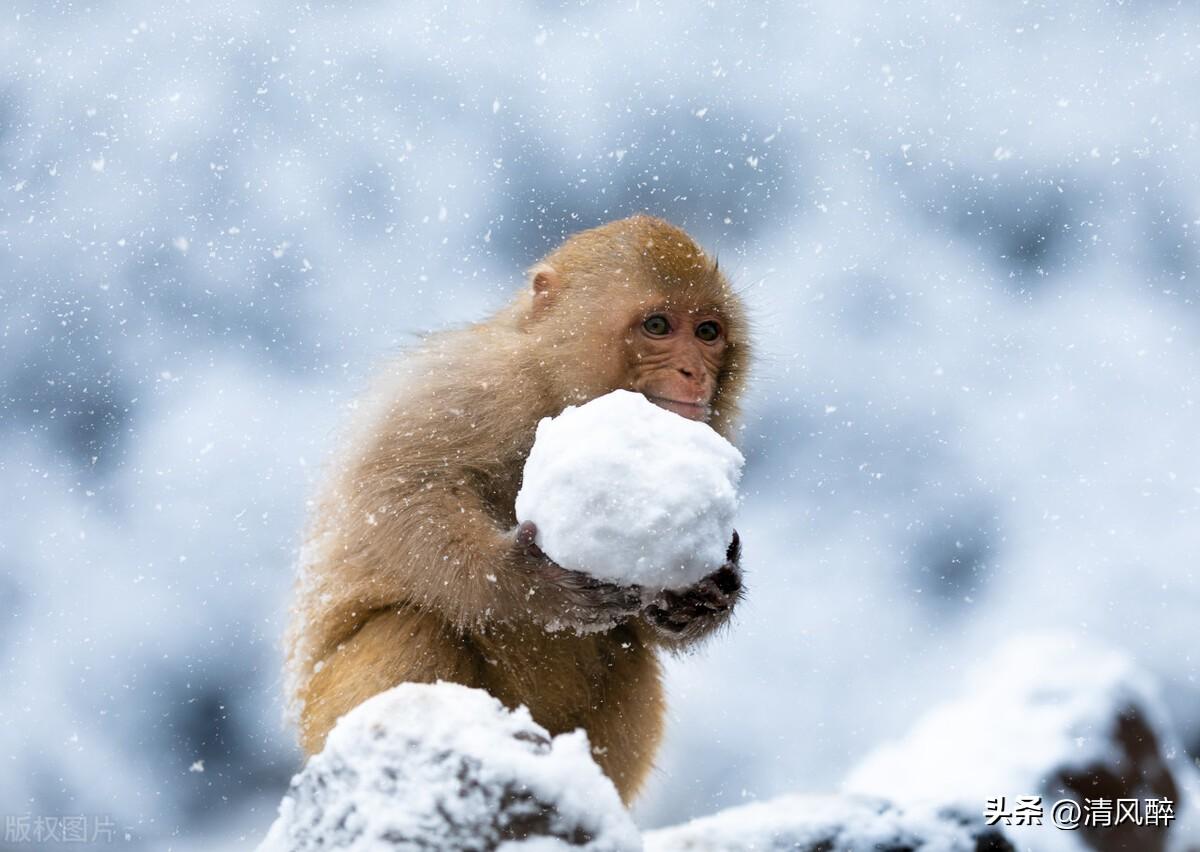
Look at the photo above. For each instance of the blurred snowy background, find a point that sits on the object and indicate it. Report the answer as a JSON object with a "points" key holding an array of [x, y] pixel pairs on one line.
{"points": [[968, 232]]}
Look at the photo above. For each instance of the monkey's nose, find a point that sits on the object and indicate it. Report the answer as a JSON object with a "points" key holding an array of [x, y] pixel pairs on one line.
{"points": [[687, 372]]}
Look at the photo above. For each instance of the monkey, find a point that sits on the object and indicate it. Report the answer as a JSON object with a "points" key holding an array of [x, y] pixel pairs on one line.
{"points": [[413, 567]]}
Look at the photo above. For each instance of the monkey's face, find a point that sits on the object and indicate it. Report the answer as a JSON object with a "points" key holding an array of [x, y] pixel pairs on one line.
{"points": [[637, 305], [675, 358]]}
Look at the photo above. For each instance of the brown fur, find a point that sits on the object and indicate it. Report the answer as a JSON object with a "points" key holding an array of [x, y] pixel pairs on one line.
{"points": [[410, 571]]}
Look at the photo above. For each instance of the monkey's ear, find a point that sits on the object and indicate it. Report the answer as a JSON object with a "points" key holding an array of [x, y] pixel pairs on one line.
{"points": [[544, 285]]}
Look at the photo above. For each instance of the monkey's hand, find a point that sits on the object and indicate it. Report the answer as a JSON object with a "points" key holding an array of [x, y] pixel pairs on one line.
{"points": [[680, 618], [571, 598]]}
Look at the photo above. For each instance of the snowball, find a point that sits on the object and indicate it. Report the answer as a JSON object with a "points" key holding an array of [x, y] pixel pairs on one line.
{"points": [[631, 493], [443, 766]]}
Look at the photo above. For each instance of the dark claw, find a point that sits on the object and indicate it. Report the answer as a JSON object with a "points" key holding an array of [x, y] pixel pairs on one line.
{"points": [[704, 605], [664, 620], [727, 580]]}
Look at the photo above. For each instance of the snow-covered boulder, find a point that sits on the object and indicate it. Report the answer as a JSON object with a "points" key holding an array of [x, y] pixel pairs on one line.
{"points": [[631, 493], [442, 766], [1056, 717], [805, 823]]}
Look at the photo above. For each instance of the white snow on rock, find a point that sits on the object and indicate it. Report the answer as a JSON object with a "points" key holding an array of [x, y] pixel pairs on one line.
{"points": [[631, 493], [813, 823], [1055, 716], [443, 766]]}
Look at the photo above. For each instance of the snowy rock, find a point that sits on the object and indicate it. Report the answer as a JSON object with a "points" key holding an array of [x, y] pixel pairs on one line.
{"points": [[631, 493], [442, 766], [1049, 716], [810, 823]]}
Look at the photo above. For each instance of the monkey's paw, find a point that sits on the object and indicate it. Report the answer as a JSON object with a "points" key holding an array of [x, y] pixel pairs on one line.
{"points": [[587, 604], [692, 612]]}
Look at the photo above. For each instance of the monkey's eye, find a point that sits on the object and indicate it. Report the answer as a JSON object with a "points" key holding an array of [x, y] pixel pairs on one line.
{"points": [[656, 325], [708, 331]]}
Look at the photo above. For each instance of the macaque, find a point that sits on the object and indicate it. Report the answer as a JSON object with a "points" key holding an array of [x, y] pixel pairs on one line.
{"points": [[414, 568]]}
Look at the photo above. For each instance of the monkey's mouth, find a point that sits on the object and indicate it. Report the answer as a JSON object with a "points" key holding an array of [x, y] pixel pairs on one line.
{"points": [[690, 410]]}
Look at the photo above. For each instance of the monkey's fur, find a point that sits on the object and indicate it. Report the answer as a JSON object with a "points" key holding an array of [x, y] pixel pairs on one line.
{"points": [[410, 571]]}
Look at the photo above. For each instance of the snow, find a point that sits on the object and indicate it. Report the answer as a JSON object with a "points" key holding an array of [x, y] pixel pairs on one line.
{"points": [[631, 493], [443, 766], [974, 402], [810, 823], [1042, 709]]}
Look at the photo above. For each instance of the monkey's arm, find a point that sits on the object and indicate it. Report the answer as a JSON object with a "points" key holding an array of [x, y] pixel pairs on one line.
{"points": [[464, 565], [679, 619]]}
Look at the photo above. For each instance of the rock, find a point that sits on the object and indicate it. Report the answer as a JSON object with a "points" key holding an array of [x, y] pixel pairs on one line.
{"points": [[442, 766], [1056, 717], [811, 823]]}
